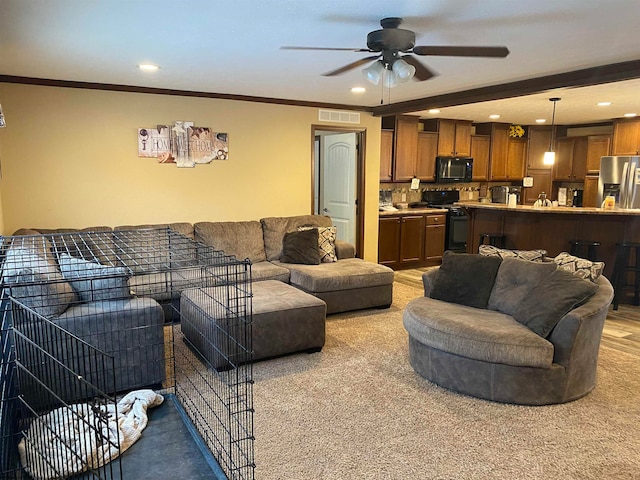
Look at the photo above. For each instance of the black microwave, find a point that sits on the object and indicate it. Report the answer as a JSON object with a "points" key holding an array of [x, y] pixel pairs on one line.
{"points": [[454, 169]]}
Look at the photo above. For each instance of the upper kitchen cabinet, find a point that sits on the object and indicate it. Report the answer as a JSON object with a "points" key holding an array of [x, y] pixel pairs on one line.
{"points": [[516, 158], [386, 155], [571, 159], [507, 155], [454, 136], [626, 137], [597, 146], [405, 146], [426, 163], [480, 145], [539, 139]]}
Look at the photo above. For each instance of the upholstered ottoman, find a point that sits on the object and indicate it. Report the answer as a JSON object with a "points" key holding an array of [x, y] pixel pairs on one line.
{"points": [[285, 320]]}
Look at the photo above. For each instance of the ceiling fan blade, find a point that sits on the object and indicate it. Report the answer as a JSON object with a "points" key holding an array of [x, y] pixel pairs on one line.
{"points": [[448, 51], [327, 48], [350, 66], [422, 72]]}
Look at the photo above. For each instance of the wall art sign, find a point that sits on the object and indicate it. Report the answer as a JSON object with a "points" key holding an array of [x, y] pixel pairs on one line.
{"points": [[182, 144], [3, 123]]}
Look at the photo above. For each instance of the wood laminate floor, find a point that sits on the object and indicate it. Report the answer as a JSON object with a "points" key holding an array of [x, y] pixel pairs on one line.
{"points": [[621, 329]]}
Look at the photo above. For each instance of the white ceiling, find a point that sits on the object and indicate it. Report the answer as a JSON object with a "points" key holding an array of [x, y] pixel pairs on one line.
{"points": [[233, 47]]}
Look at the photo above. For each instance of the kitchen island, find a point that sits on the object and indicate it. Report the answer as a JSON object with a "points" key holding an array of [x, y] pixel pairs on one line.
{"points": [[552, 228]]}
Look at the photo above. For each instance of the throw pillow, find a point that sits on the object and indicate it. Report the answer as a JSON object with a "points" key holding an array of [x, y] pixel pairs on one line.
{"points": [[301, 247], [36, 282], [326, 243], [531, 255], [551, 300], [515, 279], [465, 279], [94, 281], [580, 267]]}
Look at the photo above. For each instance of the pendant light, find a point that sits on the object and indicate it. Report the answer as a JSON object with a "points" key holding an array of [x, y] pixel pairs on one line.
{"points": [[550, 155]]}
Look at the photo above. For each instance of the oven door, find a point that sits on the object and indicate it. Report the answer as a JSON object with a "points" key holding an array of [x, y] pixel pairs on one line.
{"points": [[457, 229]]}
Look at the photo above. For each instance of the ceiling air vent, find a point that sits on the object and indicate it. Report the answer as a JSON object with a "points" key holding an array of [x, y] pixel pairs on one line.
{"points": [[338, 116]]}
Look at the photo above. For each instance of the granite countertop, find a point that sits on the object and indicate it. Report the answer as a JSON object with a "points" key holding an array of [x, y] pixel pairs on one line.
{"points": [[567, 210], [412, 211]]}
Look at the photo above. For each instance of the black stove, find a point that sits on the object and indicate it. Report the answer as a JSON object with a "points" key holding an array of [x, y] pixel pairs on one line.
{"points": [[457, 220]]}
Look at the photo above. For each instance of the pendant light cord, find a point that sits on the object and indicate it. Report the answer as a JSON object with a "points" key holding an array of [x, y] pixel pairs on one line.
{"points": [[553, 122]]}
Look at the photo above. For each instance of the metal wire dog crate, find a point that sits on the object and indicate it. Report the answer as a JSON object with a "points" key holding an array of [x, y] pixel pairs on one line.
{"points": [[87, 316]]}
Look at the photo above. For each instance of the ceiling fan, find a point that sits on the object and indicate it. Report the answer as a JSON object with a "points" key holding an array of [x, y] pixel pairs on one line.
{"points": [[393, 47]]}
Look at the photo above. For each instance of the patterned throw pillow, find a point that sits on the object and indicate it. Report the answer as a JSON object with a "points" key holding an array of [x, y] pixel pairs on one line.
{"points": [[581, 267], [531, 255], [326, 243]]}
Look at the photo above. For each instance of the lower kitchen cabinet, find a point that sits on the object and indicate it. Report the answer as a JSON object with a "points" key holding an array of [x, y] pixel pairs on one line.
{"points": [[410, 241], [435, 233]]}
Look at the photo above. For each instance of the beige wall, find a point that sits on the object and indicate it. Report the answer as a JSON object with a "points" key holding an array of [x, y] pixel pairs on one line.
{"points": [[69, 159]]}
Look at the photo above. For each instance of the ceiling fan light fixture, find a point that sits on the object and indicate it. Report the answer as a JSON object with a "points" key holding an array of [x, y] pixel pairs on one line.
{"points": [[374, 72], [403, 70]]}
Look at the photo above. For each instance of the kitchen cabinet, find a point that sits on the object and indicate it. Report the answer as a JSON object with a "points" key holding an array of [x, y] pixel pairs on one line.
{"points": [[516, 158], [480, 145], [411, 240], [389, 241], [541, 183], [590, 194], [435, 232], [405, 145], [454, 136], [539, 139], [626, 137], [427, 150], [571, 159], [597, 146], [386, 155]]}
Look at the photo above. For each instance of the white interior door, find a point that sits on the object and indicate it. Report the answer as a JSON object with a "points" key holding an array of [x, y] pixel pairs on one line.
{"points": [[338, 183]]}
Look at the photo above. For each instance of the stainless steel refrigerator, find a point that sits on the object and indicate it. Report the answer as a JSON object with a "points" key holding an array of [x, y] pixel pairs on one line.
{"points": [[620, 178]]}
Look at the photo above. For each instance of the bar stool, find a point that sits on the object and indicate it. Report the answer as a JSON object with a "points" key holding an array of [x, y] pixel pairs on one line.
{"points": [[579, 246], [622, 269], [493, 239]]}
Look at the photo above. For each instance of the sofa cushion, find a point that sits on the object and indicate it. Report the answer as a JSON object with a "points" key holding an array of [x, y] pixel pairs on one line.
{"points": [[466, 279], [326, 243], [475, 333], [341, 275], [93, 281], [274, 228], [551, 300], [146, 249], [269, 271], [514, 280], [241, 239], [581, 267], [36, 281], [301, 247], [531, 255]]}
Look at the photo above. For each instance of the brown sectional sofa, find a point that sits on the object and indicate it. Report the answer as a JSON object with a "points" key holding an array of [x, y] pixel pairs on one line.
{"points": [[348, 284]]}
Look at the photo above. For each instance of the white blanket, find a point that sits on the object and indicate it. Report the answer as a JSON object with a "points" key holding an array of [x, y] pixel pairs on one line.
{"points": [[71, 440]]}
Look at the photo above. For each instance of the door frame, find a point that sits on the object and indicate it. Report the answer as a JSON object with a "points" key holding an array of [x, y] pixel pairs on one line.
{"points": [[360, 185]]}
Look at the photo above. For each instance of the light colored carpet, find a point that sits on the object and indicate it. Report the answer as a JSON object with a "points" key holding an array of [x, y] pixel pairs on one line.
{"points": [[357, 410]]}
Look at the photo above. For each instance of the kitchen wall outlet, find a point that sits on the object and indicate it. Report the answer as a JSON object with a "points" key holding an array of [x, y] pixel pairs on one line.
{"points": [[404, 197]]}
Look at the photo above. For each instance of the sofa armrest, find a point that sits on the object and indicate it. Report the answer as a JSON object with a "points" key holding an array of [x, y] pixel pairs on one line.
{"points": [[428, 279], [576, 337], [345, 250]]}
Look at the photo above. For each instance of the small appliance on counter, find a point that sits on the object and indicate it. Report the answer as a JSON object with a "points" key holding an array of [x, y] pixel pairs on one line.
{"points": [[577, 198], [500, 194]]}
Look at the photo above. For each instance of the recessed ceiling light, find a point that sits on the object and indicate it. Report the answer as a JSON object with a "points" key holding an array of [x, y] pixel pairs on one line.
{"points": [[541, 120], [358, 90], [494, 116], [148, 67], [603, 104], [433, 110], [630, 114]]}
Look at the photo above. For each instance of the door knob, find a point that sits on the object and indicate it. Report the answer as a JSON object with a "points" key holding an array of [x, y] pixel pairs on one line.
{"points": [[325, 210]]}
